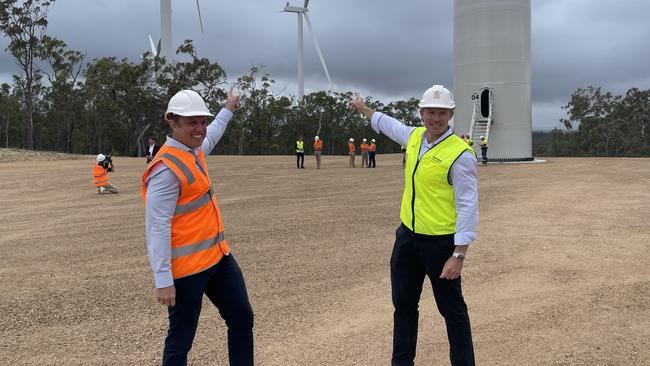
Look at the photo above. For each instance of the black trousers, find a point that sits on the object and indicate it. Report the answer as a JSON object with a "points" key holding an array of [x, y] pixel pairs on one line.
{"points": [[414, 257], [300, 160], [484, 154], [224, 285], [371, 160]]}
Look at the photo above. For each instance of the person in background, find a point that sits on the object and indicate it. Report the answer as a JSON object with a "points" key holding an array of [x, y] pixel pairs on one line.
{"points": [[318, 150], [364, 153], [351, 151], [372, 150], [152, 149], [100, 174], [300, 153], [484, 149]]}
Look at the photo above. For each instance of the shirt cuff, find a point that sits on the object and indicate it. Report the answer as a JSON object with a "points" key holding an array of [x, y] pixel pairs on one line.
{"points": [[375, 120], [464, 238], [163, 279]]}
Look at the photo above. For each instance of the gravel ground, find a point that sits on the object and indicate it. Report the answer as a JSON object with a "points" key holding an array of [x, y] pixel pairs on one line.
{"points": [[558, 276]]}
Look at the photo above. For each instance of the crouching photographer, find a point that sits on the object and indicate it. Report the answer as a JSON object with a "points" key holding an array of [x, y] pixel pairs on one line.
{"points": [[100, 174]]}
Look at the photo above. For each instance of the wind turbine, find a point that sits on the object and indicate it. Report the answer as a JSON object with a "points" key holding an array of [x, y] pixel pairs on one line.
{"points": [[301, 79], [164, 48]]}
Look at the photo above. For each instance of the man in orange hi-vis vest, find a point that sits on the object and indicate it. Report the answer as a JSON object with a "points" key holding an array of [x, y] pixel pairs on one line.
{"points": [[318, 150], [364, 153], [100, 174], [187, 247], [372, 151], [352, 150]]}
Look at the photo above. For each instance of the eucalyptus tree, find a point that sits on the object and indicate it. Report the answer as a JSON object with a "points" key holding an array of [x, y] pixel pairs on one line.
{"points": [[24, 24]]}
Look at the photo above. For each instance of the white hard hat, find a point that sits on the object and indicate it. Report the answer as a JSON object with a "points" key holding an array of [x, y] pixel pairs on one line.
{"points": [[365, 140], [482, 137], [101, 158], [316, 138], [187, 103], [373, 140], [351, 139], [437, 96]]}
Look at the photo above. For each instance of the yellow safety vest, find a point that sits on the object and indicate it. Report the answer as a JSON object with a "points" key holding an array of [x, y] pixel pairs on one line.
{"points": [[428, 201], [484, 143], [300, 146]]}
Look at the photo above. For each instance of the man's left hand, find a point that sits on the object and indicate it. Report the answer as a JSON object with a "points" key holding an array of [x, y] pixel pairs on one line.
{"points": [[452, 268], [233, 101]]}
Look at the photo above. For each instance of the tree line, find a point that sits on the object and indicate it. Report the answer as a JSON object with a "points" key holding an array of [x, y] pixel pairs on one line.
{"points": [[600, 124]]}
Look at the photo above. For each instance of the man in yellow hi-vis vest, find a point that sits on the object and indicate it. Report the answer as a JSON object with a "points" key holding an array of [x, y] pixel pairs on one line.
{"points": [[300, 153], [439, 216]]}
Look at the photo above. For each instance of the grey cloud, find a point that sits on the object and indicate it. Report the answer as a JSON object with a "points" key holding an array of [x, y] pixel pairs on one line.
{"points": [[386, 49]]}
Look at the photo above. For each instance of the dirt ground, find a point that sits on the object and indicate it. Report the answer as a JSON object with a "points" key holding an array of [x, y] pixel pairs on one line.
{"points": [[559, 274]]}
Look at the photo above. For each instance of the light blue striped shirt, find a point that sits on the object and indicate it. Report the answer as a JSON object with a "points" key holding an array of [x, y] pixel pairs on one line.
{"points": [[163, 188], [463, 175]]}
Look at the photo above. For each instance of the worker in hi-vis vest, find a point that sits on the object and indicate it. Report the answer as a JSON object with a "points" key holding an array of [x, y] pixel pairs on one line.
{"points": [[300, 153], [364, 153], [187, 248], [318, 150], [439, 216], [484, 148], [372, 151], [352, 151], [100, 174]]}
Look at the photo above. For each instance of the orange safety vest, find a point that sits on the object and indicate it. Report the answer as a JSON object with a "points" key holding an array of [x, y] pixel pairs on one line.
{"points": [[351, 148], [100, 175], [372, 148], [197, 237], [364, 147], [318, 145]]}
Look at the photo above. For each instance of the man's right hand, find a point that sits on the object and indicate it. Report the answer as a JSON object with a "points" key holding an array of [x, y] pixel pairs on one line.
{"points": [[166, 295], [358, 105]]}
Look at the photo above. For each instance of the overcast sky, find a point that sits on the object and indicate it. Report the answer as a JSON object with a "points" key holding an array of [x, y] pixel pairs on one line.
{"points": [[386, 49]]}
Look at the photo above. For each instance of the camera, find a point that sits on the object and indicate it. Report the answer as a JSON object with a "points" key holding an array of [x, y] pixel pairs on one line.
{"points": [[108, 163]]}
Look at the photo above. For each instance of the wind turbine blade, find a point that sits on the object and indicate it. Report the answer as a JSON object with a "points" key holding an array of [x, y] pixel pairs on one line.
{"points": [[158, 49], [154, 52], [306, 3], [198, 8], [320, 54]]}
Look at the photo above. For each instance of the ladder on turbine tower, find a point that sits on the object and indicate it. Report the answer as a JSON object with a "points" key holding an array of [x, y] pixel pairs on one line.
{"points": [[481, 115]]}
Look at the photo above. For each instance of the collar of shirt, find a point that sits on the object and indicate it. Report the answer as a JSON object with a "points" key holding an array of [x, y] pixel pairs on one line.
{"points": [[174, 143]]}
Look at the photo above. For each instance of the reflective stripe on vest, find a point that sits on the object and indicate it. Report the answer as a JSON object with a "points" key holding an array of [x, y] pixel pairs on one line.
{"points": [[428, 201], [197, 247], [197, 234], [197, 203], [186, 171]]}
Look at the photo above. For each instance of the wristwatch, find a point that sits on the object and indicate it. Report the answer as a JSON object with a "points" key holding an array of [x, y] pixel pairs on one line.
{"points": [[459, 255]]}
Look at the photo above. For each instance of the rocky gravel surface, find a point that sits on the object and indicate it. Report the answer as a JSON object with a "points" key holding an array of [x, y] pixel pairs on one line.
{"points": [[559, 275]]}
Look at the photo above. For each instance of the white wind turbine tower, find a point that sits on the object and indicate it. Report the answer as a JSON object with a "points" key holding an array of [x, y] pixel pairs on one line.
{"points": [[301, 79], [165, 47]]}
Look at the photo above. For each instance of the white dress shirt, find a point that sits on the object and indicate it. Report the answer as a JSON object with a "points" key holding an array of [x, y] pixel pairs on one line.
{"points": [[463, 175], [163, 188]]}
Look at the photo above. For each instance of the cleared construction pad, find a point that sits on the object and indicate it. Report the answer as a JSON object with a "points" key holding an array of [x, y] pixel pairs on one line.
{"points": [[558, 276]]}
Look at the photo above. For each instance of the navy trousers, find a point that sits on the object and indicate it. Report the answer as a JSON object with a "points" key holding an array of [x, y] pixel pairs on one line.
{"points": [[414, 257], [224, 285]]}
